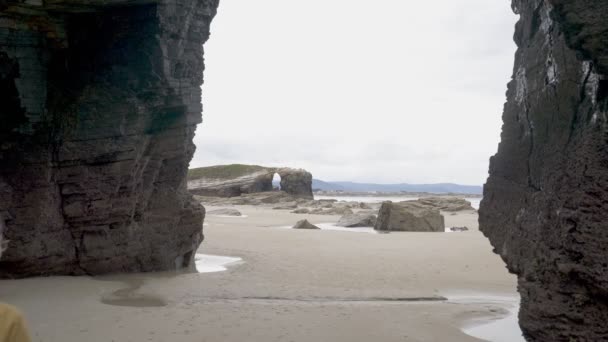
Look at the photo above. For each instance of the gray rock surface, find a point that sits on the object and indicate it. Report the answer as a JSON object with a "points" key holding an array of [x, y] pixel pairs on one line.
{"points": [[409, 217], [447, 203], [304, 224], [301, 211], [224, 212], [99, 104], [357, 220], [545, 204], [331, 211], [248, 179]]}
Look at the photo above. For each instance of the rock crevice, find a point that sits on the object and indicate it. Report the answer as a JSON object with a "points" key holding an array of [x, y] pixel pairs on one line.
{"points": [[545, 200]]}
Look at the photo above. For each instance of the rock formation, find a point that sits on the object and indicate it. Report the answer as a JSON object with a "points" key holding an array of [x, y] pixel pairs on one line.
{"points": [[304, 224], [99, 104], [235, 180], [409, 216], [361, 219], [446, 203], [545, 204]]}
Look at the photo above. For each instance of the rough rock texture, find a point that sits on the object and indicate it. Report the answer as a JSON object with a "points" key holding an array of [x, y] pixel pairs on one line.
{"points": [[409, 216], [304, 224], [248, 179], [331, 211], [357, 220], [447, 203], [545, 204], [99, 104], [296, 182]]}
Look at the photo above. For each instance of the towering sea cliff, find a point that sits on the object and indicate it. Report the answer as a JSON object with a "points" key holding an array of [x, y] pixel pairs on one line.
{"points": [[545, 204], [100, 100]]}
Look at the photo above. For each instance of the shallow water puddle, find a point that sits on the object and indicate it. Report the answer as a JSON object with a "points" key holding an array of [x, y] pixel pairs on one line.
{"points": [[332, 226], [206, 263], [129, 296], [504, 329]]}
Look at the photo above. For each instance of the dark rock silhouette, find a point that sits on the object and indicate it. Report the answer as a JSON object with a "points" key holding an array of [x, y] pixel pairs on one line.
{"points": [[304, 224], [545, 205], [99, 104]]}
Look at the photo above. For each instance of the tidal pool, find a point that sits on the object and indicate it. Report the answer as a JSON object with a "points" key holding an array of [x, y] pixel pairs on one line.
{"points": [[206, 263], [505, 329]]}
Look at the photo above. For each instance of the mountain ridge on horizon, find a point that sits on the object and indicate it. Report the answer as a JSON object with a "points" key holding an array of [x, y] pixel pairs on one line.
{"points": [[318, 184]]}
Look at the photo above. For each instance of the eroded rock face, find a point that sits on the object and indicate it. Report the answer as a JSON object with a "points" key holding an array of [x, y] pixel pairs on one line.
{"points": [[99, 106], [236, 180], [545, 204], [409, 216]]}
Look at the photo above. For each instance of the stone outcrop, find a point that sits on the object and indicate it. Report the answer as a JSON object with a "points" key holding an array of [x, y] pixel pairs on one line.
{"points": [[236, 180], [360, 219], [545, 204], [409, 216], [99, 104], [304, 224], [331, 211], [446, 203]]}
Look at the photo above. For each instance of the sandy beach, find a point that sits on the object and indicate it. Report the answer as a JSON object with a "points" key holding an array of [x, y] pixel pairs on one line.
{"points": [[291, 285]]}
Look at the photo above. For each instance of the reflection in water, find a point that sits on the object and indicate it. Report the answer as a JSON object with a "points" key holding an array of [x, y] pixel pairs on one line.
{"points": [[505, 329], [132, 295], [213, 263], [129, 296]]}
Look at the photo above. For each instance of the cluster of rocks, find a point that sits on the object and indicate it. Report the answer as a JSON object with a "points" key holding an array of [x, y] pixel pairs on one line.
{"points": [[409, 216], [447, 203], [423, 215]]}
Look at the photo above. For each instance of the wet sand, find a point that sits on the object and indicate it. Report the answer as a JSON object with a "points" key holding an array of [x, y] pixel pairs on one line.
{"points": [[291, 285]]}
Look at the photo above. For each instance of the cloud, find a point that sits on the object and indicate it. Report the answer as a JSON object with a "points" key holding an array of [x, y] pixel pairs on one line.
{"points": [[357, 90]]}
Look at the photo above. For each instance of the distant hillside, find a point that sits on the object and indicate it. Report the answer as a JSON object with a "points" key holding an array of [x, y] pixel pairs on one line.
{"points": [[370, 187]]}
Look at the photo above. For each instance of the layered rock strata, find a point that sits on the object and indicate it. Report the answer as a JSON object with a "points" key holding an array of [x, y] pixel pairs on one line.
{"points": [[236, 180], [545, 204], [409, 216], [100, 100]]}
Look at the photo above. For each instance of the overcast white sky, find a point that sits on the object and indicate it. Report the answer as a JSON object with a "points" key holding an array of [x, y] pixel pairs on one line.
{"points": [[383, 91]]}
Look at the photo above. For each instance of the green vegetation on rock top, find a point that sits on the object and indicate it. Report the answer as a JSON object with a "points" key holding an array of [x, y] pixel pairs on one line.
{"points": [[223, 171]]}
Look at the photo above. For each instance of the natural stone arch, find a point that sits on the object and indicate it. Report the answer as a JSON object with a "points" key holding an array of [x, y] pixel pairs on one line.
{"points": [[248, 179], [276, 178]]}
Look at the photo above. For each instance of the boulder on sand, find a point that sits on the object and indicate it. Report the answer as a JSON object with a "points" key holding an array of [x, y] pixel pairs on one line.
{"points": [[301, 211], [409, 217], [304, 224], [225, 212], [357, 220]]}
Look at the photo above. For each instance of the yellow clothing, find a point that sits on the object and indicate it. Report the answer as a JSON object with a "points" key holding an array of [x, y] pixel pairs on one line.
{"points": [[12, 326]]}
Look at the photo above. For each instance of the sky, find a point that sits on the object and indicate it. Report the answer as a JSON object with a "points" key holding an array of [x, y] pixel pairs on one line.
{"points": [[383, 91]]}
